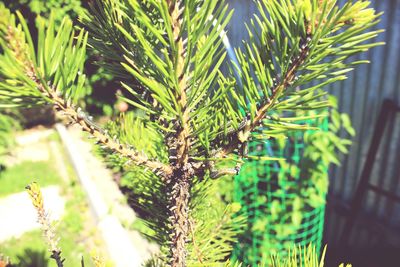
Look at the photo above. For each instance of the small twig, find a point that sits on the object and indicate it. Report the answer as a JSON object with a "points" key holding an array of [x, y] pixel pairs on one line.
{"points": [[214, 174], [43, 219], [56, 255]]}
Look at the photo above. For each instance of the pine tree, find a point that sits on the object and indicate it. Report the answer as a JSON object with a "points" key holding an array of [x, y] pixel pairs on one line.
{"points": [[196, 120]]}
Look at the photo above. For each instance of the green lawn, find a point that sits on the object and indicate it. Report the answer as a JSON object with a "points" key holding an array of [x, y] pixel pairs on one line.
{"points": [[30, 250], [15, 178]]}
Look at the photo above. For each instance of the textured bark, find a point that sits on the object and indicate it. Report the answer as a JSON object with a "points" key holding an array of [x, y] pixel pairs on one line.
{"points": [[179, 218]]}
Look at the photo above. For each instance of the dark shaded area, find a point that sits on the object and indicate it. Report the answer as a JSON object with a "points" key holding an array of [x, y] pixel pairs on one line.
{"points": [[367, 257], [370, 230], [40, 115], [31, 258]]}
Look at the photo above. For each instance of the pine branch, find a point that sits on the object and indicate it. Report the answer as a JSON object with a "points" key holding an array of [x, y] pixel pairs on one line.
{"points": [[178, 57], [287, 46], [106, 142], [280, 85], [197, 251], [78, 117], [50, 94], [179, 200], [215, 227]]}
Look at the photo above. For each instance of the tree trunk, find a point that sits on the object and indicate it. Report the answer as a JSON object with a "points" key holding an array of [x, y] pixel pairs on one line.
{"points": [[179, 218]]}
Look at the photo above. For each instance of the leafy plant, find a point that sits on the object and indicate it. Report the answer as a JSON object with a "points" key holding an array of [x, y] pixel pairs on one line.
{"points": [[301, 257], [60, 8], [321, 150], [167, 56], [286, 199]]}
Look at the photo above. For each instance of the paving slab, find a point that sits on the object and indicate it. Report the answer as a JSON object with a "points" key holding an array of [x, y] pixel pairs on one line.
{"points": [[31, 145], [126, 248], [32, 136], [18, 216]]}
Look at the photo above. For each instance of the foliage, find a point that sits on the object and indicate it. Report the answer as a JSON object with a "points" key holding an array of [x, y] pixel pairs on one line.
{"points": [[16, 177], [21, 69], [321, 150], [167, 56], [301, 257], [60, 8], [99, 89], [307, 257], [8, 125], [214, 225], [51, 18], [285, 200]]}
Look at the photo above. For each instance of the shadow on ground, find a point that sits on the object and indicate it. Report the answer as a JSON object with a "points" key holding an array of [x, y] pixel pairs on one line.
{"points": [[31, 258]]}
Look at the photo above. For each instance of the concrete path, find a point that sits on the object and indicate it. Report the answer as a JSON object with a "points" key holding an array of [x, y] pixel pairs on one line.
{"points": [[126, 248], [31, 146], [18, 216]]}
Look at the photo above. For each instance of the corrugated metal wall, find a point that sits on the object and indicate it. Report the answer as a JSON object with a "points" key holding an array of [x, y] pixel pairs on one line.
{"points": [[360, 96]]}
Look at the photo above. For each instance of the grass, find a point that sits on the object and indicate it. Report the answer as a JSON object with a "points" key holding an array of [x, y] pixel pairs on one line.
{"points": [[15, 178], [28, 250], [74, 229], [31, 249]]}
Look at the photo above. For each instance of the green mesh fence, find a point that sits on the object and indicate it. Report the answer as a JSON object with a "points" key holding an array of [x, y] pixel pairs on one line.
{"points": [[277, 201]]}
